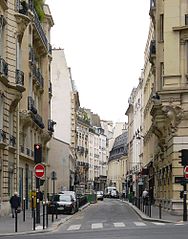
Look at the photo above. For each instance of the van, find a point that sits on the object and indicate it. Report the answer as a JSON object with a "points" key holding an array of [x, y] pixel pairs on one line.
{"points": [[111, 192]]}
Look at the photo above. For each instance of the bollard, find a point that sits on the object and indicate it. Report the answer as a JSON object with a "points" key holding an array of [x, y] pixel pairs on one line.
{"points": [[53, 209], [16, 220], [43, 216], [56, 211], [23, 209], [160, 216], [46, 214], [33, 212], [150, 208]]}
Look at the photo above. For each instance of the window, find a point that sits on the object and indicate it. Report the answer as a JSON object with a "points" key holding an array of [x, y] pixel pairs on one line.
{"points": [[161, 27], [186, 19], [162, 72], [2, 30], [1, 111]]}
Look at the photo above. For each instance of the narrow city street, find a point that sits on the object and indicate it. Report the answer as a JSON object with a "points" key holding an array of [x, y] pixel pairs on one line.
{"points": [[111, 218]]}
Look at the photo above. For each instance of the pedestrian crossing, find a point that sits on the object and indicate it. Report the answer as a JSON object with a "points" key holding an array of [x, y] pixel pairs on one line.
{"points": [[94, 226]]}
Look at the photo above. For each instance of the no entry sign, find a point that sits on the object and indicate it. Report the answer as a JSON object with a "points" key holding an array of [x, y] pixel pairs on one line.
{"points": [[186, 172], [39, 170]]}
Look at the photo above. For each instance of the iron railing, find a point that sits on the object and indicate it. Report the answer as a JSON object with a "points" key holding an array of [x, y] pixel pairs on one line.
{"points": [[3, 67], [19, 77]]}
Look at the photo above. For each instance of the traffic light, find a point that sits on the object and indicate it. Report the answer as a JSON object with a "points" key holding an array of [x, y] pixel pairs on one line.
{"points": [[184, 157], [181, 194], [37, 153]]}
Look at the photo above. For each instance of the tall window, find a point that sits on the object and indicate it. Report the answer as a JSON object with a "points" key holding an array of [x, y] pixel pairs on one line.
{"points": [[2, 29], [186, 19], [162, 73], [161, 27], [1, 111]]}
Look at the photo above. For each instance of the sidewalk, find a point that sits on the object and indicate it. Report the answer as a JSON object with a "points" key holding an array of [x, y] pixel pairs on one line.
{"points": [[165, 215], [7, 223]]}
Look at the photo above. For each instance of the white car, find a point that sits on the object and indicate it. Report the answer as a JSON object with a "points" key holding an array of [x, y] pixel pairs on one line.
{"points": [[100, 195]]}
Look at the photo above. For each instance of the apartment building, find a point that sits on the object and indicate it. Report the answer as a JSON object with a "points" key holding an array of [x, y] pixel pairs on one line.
{"points": [[25, 95], [169, 110], [65, 103]]}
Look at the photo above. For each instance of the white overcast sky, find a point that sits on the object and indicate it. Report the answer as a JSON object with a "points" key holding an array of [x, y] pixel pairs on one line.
{"points": [[104, 42]]}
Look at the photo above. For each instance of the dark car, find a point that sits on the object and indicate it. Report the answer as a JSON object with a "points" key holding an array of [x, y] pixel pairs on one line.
{"points": [[62, 203]]}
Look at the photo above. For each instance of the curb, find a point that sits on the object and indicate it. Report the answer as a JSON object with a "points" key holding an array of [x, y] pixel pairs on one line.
{"points": [[146, 218], [53, 227]]}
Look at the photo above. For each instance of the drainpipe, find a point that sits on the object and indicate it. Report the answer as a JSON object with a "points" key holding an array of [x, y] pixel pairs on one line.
{"points": [[17, 149]]}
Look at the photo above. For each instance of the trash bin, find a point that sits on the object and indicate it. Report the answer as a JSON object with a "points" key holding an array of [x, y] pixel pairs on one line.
{"points": [[91, 198]]}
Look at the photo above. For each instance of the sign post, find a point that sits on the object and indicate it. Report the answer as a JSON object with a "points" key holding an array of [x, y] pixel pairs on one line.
{"points": [[185, 195], [39, 170]]}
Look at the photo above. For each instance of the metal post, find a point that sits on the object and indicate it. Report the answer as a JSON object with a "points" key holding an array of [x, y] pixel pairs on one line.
{"points": [[46, 214], [24, 209], [38, 200], [160, 216], [33, 212], [43, 216], [16, 220], [185, 202]]}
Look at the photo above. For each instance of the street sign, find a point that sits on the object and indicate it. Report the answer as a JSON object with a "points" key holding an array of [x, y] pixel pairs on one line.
{"points": [[186, 172], [39, 170]]}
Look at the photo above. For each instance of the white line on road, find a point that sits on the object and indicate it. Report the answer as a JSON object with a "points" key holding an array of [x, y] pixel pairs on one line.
{"points": [[140, 224], [96, 225], [74, 227], [119, 224]]}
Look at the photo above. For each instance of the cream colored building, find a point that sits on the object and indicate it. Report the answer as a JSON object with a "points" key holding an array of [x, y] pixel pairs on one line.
{"points": [[65, 103], [165, 105], [25, 95]]}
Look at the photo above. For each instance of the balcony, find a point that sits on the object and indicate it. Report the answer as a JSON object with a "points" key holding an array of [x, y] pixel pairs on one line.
{"points": [[38, 77], [32, 58], [152, 10], [2, 138], [22, 7], [31, 105], [20, 80], [51, 124], [38, 26], [152, 51], [22, 18], [3, 70], [50, 88], [38, 120], [12, 141]]}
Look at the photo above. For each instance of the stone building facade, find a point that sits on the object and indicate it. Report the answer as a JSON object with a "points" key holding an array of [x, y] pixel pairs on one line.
{"points": [[25, 95]]}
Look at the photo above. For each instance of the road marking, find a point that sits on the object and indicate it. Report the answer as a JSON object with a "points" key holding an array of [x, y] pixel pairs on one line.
{"points": [[96, 225], [119, 224], [159, 223], [74, 227], [140, 224]]}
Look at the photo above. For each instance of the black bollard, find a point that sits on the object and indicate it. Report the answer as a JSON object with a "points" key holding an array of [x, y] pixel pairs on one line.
{"points": [[43, 216], [53, 209], [33, 212], [16, 220], [160, 216], [23, 209], [46, 214], [56, 211]]}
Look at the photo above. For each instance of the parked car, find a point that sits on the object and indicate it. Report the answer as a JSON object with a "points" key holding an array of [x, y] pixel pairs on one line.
{"points": [[100, 195], [73, 194], [62, 203]]}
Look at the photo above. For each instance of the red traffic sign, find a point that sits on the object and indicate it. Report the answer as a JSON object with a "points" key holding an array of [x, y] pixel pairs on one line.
{"points": [[39, 170], [186, 172]]}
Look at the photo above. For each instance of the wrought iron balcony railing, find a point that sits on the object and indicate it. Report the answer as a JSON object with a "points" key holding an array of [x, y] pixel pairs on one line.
{"points": [[50, 88], [3, 67], [38, 76], [22, 7], [38, 120], [19, 77], [31, 105], [51, 124], [12, 141], [32, 58], [38, 24], [2, 136]]}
